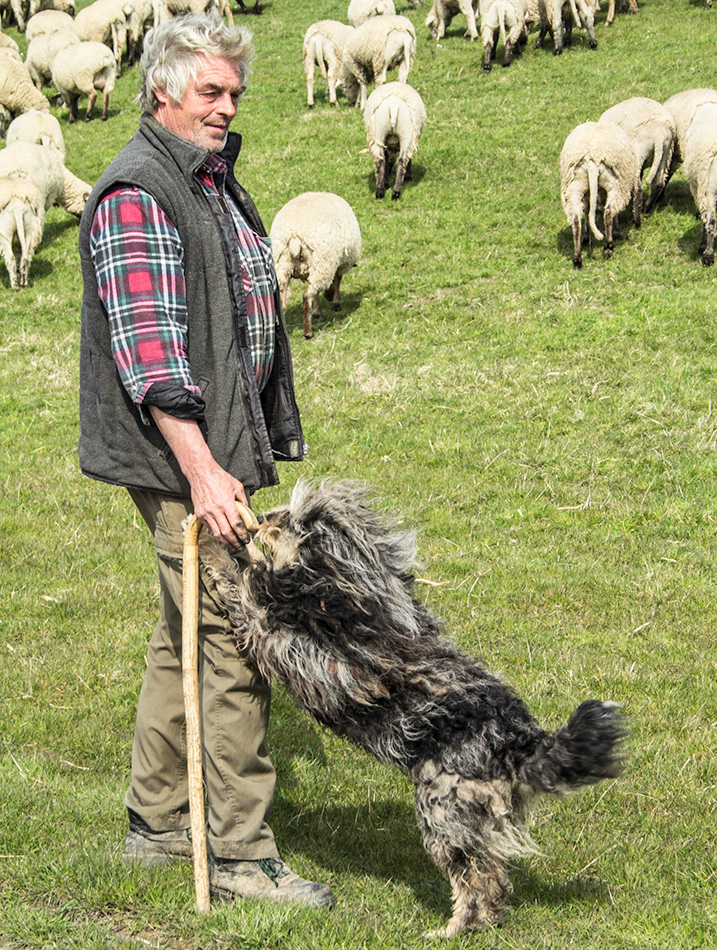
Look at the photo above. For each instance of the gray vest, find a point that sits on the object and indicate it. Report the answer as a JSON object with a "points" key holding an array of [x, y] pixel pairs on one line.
{"points": [[246, 431]]}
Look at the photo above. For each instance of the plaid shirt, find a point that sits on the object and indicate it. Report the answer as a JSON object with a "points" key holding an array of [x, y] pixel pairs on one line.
{"points": [[139, 261]]}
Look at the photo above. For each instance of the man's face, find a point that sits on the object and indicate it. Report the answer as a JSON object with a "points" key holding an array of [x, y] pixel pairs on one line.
{"points": [[208, 107]]}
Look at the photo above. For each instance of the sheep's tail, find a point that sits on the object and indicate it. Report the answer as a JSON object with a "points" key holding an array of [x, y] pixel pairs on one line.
{"points": [[574, 11], [501, 21], [584, 752], [593, 198], [315, 53]]}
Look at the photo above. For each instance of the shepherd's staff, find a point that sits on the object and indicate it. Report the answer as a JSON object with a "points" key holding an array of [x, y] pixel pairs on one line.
{"points": [[190, 685]]}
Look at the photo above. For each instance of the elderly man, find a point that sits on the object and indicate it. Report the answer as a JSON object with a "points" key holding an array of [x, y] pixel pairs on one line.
{"points": [[187, 400]]}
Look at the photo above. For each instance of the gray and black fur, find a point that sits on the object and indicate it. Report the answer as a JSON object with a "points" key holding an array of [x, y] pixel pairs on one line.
{"points": [[331, 613]]}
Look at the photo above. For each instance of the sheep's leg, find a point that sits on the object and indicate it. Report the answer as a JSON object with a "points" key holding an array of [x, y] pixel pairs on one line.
{"points": [[577, 243], [466, 8], [610, 12], [105, 105], [637, 204], [73, 107], [708, 231], [488, 46], [508, 53], [10, 261], [400, 174], [609, 245], [409, 170], [333, 294], [310, 88], [307, 304], [92, 99], [381, 175], [541, 35]]}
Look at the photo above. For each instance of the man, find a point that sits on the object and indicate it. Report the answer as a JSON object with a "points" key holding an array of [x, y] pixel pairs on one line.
{"points": [[186, 400]]}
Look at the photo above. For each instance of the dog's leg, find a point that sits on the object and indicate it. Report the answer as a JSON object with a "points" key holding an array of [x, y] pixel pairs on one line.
{"points": [[468, 829]]}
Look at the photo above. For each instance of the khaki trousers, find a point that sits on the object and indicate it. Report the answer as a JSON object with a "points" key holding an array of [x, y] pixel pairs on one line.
{"points": [[238, 775]]}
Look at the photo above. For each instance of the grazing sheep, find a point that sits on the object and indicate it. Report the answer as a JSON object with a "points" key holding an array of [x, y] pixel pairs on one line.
{"points": [[495, 17], [64, 6], [316, 238], [41, 53], [17, 91], [83, 70], [8, 45], [360, 10], [684, 107], [378, 45], [652, 131], [14, 11], [46, 21], [442, 12], [22, 221], [557, 17], [394, 118], [38, 128], [29, 168], [324, 47], [631, 8], [701, 174], [105, 21], [598, 159]]}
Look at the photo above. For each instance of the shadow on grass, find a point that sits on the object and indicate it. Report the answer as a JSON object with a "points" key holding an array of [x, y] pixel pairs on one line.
{"points": [[418, 173], [329, 318]]}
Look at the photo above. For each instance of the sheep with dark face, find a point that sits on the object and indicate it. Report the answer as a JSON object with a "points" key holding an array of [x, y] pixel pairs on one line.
{"points": [[380, 44], [598, 159], [395, 118]]}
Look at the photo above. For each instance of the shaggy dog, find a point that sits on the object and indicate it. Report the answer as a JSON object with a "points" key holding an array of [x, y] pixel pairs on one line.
{"points": [[331, 614]]}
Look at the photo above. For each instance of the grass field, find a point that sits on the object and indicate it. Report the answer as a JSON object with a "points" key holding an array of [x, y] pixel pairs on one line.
{"points": [[551, 433]]}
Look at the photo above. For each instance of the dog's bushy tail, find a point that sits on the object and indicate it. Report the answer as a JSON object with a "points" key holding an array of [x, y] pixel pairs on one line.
{"points": [[585, 751]]}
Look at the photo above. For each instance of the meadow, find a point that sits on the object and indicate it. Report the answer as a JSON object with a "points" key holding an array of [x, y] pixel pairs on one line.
{"points": [[552, 435]]}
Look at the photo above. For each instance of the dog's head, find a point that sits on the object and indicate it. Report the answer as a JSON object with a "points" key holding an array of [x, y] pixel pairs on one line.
{"points": [[331, 531]]}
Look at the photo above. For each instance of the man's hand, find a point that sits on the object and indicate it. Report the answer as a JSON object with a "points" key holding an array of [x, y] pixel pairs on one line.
{"points": [[214, 491]]}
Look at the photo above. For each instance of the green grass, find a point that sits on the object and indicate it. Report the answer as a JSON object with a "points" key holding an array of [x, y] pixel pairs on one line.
{"points": [[550, 432]]}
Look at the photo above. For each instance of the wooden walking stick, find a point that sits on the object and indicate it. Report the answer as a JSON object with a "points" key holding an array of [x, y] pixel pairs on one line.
{"points": [[190, 686]]}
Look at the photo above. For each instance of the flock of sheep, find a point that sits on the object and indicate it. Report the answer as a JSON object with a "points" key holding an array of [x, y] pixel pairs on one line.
{"points": [[316, 237]]}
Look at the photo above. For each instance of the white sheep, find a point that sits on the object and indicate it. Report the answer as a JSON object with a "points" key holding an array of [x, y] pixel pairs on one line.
{"points": [[395, 117], [83, 70], [46, 21], [22, 221], [316, 238], [324, 47], [360, 10], [598, 160], [27, 167], [631, 8], [17, 91], [506, 17], [8, 45], [41, 53], [14, 10], [64, 6], [442, 12], [105, 21], [652, 131], [557, 17], [683, 107], [39, 128], [378, 45], [701, 173]]}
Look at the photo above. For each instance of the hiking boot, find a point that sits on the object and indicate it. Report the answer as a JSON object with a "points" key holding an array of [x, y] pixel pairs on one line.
{"points": [[268, 879], [152, 849]]}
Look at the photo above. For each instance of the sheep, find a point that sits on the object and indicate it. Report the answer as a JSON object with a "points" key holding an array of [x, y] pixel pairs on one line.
{"points": [[46, 21], [701, 173], [598, 159], [22, 221], [105, 21], [64, 6], [39, 128], [496, 15], [25, 169], [41, 53], [684, 107], [652, 131], [558, 17], [17, 91], [379, 44], [360, 10], [8, 44], [83, 70], [14, 11], [316, 238], [443, 11], [631, 8], [395, 117], [323, 47]]}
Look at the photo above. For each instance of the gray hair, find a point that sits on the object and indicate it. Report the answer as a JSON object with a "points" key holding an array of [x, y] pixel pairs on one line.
{"points": [[171, 54]]}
